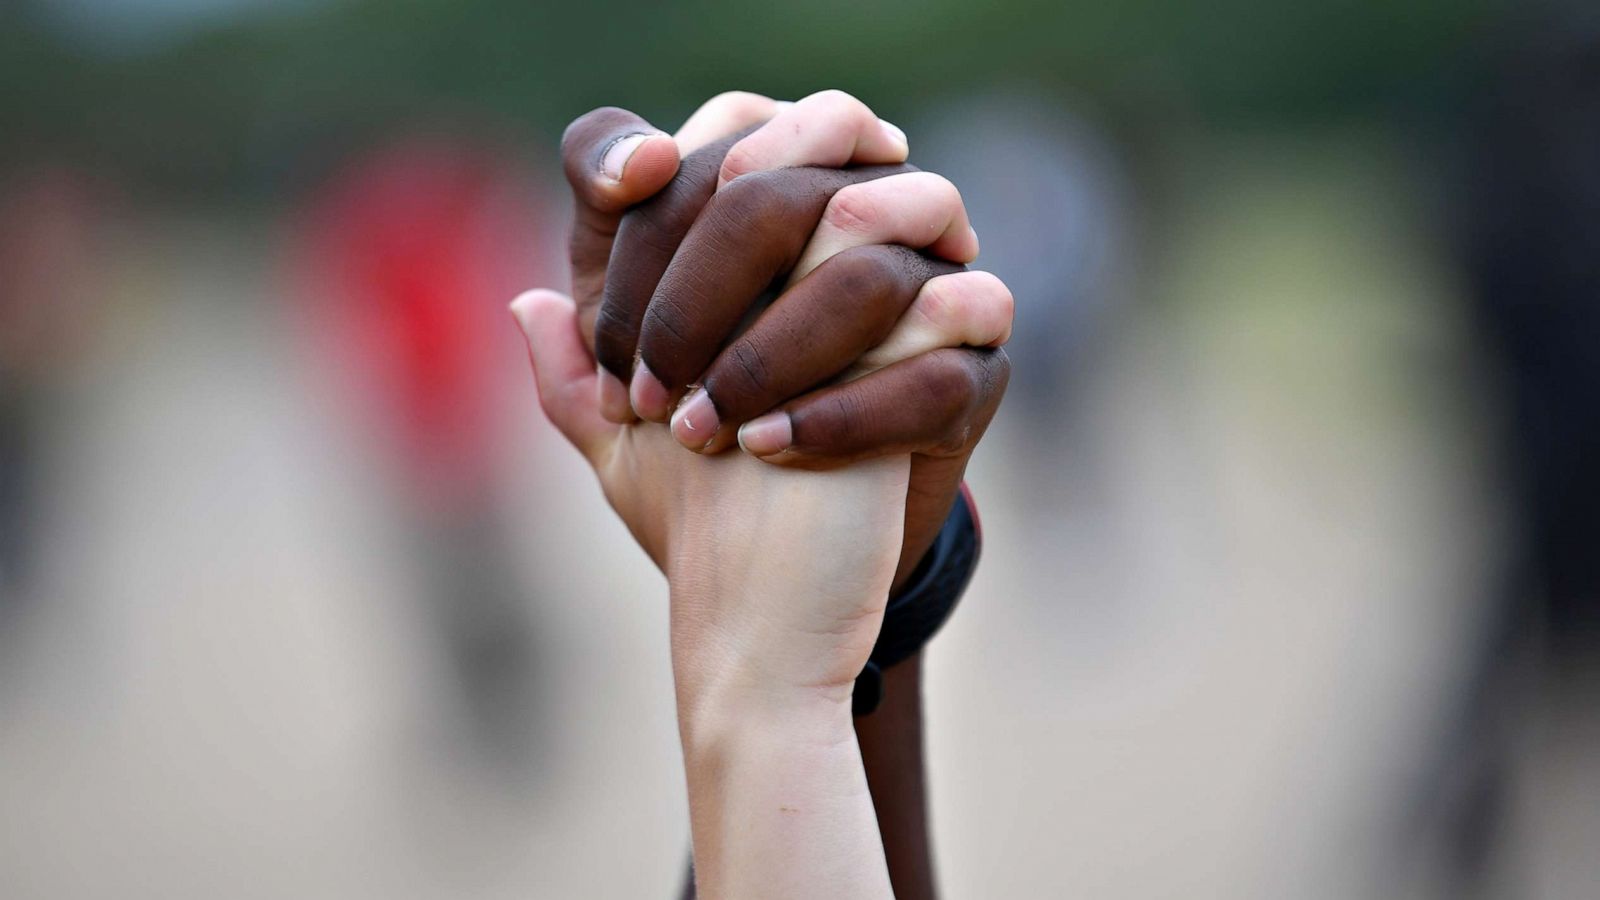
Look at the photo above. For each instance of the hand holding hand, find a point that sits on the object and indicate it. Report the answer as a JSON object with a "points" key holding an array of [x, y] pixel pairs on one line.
{"points": [[670, 279], [779, 575]]}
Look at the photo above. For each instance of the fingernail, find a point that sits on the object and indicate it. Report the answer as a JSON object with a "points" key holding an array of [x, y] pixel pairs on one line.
{"points": [[695, 422], [519, 311], [649, 394], [894, 132], [614, 398], [616, 157], [771, 433]]}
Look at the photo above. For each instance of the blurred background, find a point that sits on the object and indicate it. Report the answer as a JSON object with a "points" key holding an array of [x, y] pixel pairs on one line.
{"points": [[1291, 585]]}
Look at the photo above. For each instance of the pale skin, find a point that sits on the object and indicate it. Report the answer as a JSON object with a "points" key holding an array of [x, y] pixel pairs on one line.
{"points": [[778, 574], [767, 636]]}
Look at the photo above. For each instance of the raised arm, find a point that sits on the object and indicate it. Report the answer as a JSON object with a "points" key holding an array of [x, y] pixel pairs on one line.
{"points": [[868, 292]]}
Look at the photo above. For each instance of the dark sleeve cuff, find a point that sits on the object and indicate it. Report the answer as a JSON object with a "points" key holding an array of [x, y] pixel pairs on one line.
{"points": [[917, 612]]}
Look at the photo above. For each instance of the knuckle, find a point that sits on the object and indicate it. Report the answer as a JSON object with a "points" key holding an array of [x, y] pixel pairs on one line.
{"points": [[853, 210], [968, 307], [990, 307], [737, 104], [859, 274], [610, 323], [742, 373], [663, 332], [834, 98], [940, 186], [950, 390], [845, 419], [935, 191], [1002, 308], [957, 439], [937, 304], [995, 292], [941, 193], [953, 390], [658, 224], [755, 197], [739, 161]]}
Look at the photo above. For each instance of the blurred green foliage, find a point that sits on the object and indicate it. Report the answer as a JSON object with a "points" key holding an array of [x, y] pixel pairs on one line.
{"points": [[239, 106]]}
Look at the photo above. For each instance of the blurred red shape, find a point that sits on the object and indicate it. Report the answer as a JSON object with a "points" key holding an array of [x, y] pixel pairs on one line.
{"points": [[408, 256]]}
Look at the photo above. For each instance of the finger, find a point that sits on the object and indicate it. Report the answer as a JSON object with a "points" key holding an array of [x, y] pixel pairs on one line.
{"points": [[960, 309], [813, 332], [612, 159], [750, 232], [562, 367], [972, 309], [937, 404], [830, 128], [644, 244], [916, 209], [648, 244], [723, 115]]}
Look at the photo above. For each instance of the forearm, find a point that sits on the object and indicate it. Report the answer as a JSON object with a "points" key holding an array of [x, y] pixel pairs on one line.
{"points": [[767, 640], [778, 798], [891, 741]]}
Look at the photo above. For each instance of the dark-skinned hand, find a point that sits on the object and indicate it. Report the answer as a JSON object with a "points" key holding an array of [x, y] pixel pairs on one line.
{"points": [[878, 342]]}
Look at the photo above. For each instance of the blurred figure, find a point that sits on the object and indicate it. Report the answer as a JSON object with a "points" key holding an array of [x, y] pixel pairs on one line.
{"points": [[1046, 189], [1516, 791], [50, 240], [410, 253], [1049, 191]]}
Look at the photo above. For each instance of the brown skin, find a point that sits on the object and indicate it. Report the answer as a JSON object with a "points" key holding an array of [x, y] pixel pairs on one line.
{"points": [[640, 281], [746, 237], [891, 749], [843, 309]]}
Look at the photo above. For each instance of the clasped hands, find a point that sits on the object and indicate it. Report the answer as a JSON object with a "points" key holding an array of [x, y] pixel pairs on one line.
{"points": [[855, 399]]}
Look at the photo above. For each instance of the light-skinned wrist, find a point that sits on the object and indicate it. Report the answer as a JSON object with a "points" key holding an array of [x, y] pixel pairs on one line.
{"points": [[723, 700], [791, 655], [730, 716]]}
